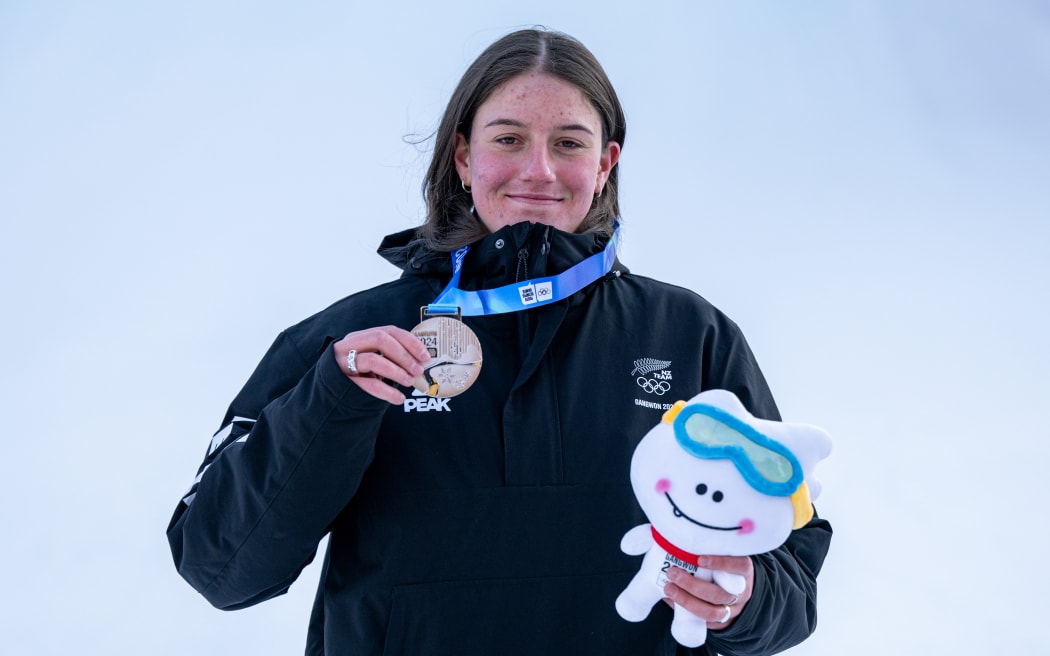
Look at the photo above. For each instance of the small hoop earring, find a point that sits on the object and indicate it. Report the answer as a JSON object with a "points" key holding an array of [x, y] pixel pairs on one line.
{"points": [[464, 185]]}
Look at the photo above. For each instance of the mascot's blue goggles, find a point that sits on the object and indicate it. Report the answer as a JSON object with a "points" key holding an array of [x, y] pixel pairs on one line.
{"points": [[710, 433]]}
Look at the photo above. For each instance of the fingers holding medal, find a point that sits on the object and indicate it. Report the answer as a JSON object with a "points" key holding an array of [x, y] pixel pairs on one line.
{"points": [[440, 357], [375, 357]]}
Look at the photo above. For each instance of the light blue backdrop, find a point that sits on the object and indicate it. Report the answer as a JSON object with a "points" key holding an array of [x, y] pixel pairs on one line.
{"points": [[861, 185]]}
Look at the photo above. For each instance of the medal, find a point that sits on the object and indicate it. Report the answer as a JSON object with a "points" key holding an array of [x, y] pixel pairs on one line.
{"points": [[455, 354]]}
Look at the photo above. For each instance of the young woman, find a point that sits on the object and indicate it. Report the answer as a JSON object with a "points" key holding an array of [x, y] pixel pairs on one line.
{"points": [[472, 469]]}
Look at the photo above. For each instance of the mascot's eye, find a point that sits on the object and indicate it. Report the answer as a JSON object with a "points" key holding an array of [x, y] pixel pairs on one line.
{"points": [[701, 489], [717, 496]]}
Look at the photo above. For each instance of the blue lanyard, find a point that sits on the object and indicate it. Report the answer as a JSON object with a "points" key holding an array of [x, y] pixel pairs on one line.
{"points": [[521, 295]]}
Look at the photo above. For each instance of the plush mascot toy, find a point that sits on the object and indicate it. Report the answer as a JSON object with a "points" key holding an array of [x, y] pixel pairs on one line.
{"points": [[715, 480]]}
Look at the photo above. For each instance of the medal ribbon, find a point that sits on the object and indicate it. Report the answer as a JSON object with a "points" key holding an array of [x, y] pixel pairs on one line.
{"points": [[521, 295]]}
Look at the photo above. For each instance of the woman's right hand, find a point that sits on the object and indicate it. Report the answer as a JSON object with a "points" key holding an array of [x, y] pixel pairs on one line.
{"points": [[381, 355]]}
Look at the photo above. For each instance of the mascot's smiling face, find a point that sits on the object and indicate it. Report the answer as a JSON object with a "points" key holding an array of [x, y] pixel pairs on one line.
{"points": [[714, 480], [705, 506]]}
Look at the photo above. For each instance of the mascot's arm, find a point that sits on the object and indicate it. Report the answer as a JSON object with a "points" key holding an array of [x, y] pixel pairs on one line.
{"points": [[638, 540], [731, 583]]}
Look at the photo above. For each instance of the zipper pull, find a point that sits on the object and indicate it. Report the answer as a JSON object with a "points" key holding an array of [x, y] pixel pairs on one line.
{"points": [[523, 266]]}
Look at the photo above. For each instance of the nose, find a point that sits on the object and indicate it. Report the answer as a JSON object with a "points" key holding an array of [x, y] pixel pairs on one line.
{"points": [[538, 165]]}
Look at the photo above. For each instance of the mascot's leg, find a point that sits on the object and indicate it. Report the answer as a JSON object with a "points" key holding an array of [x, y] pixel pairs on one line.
{"points": [[688, 629], [644, 590]]}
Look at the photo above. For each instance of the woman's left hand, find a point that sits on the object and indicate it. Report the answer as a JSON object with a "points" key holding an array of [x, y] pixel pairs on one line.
{"points": [[706, 599]]}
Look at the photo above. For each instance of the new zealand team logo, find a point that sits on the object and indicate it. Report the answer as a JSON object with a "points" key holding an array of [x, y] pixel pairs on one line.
{"points": [[653, 376]]}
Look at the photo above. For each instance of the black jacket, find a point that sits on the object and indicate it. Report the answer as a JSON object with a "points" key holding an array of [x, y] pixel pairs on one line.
{"points": [[488, 523]]}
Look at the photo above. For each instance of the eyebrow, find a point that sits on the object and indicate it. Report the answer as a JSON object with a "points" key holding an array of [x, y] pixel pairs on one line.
{"points": [[518, 124]]}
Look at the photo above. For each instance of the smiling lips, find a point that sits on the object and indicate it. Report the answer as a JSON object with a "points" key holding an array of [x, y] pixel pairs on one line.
{"points": [[678, 513], [534, 198]]}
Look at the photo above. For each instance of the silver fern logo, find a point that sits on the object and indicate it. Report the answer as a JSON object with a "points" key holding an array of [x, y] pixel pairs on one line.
{"points": [[653, 375]]}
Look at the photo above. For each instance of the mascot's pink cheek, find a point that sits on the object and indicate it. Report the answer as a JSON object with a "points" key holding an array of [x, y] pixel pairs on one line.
{"points": [[662, 486], [746, 526]]}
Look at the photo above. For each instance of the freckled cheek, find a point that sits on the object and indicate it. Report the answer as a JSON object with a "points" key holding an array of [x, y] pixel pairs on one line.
{"points": [[487, 177], [491, 170], [581, 181], [663, 486]]}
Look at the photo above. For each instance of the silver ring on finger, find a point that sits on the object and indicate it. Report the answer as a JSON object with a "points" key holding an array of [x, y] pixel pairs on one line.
{"points": [[736, 598], [729, 611], [351, 362]]}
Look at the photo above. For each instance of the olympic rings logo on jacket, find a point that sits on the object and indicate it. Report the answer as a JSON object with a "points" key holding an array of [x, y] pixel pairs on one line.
{"points": [[654, 386]]}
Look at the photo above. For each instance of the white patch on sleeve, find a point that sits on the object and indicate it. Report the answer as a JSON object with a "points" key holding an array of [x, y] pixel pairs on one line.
{"points": [[225, 431]]}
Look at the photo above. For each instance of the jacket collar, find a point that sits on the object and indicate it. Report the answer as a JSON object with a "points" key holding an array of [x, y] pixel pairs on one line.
{"points": [[511, 254]]}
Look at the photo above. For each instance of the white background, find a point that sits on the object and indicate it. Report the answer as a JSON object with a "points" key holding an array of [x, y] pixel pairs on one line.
{"points": [[861, 185]]}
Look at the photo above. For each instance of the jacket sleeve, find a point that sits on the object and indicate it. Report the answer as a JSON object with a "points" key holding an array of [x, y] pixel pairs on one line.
{"points": [[290, 455], [782, 611]]}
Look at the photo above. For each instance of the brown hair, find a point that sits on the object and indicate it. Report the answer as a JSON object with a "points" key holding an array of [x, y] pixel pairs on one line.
{"points": [[450, 223]]}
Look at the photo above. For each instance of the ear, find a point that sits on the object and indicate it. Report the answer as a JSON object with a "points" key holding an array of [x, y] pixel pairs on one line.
{"points": [[803, 506], [608, 160], [462, 158]]}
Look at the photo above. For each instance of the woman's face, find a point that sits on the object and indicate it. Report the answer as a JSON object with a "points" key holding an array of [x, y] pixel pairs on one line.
{"points": [[535, 154]]}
